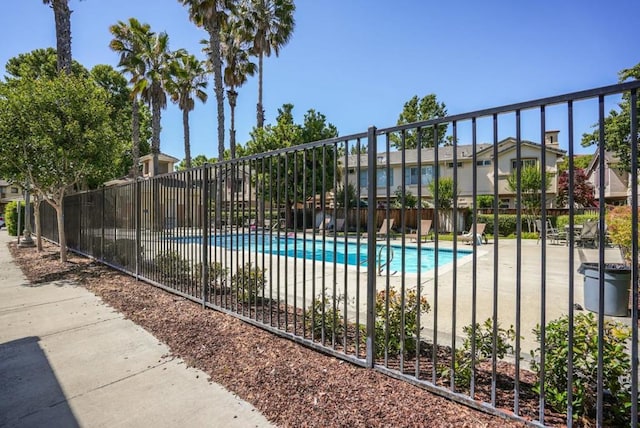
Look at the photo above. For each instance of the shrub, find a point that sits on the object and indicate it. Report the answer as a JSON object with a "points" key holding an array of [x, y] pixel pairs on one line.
{"points": [[173, 269], [391, 338], [483, 350], [120, 252], [563, 220], [619, 229], [617, 367], [11, 217], [322, 320], [485, 201], [217, 275], [248, 282]]}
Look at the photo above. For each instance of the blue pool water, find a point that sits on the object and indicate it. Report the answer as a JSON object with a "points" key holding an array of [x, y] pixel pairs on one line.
{"points": [[318, 250]]}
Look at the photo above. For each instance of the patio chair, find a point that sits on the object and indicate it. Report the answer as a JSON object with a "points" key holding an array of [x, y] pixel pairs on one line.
{"points": [[337, 226], [387, 224], [469, 238], [552, 233], [425, 229], [322, 226], [588, 235]]}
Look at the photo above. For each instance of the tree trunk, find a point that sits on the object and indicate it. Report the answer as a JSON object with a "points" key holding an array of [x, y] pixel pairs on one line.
{"points": [[37, 221], [187, 140], [135, 133], [233, 96], [214, 41], [155, 127], [62, 16], [62, 237], [259, 107]]}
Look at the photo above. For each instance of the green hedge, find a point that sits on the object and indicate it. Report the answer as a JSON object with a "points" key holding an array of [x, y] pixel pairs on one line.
{"points": [[563, 220], [11, 217]]}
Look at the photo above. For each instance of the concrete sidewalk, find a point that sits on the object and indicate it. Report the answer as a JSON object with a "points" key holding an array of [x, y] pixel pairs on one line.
{"points": [[68, 360]]}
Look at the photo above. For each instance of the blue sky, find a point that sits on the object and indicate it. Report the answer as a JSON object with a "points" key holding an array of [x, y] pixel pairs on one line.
{"points": [[359, 61]]}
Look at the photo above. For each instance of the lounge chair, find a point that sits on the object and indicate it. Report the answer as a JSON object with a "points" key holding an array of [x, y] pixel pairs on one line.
{"points": [[322, 226], [469, 238], [382, 233], [588, 234], [337, 226], [425, 229], [552, 234]]}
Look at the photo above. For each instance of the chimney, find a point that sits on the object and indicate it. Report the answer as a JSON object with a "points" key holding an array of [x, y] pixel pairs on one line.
{"points": [[551, 139]]}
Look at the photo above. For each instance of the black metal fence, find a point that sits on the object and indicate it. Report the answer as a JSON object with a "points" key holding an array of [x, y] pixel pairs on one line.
{"points": [[297, 241]]}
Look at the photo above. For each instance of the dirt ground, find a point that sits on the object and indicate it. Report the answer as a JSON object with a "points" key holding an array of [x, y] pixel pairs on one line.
{"points": [[293, 386]]}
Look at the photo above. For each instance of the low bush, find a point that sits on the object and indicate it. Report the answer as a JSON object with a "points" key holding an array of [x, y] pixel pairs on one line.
{"points": [[217, 275], [394, 336], [322, 320], [172, 267], [616, 369], [563, 220], [483, 350], [248, 283]]}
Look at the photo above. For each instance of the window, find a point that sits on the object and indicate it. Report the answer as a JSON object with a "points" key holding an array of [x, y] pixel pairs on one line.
{"points": [[484, 162], [504, 203], [381, 178], [526, 162], [381, 159], [14, 190], [363, 179], [411, 175], [450, 165]]}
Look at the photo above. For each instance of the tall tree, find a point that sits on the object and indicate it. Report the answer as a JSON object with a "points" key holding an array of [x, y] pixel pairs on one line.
{"points": [[270, 24], [39, 63], [416, 110], [128, 44], [295, 181], [617, 125], [62, 15], [531, 181], [235, 55], [57, 133], [145, 54], [210, 15], [188, 81]]}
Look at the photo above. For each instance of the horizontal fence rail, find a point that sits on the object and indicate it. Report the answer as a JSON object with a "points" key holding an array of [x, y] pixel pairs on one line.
{"points": [[428, 251]]}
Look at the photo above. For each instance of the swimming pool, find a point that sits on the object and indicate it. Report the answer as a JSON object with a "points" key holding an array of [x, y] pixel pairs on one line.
{"points": [[319, 250]]}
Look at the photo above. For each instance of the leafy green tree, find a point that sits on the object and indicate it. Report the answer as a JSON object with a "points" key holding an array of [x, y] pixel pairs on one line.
{"points": [[235, 53], [579, 162], [531, 181], [404, 199], [416, 110], [617, 125], [446, 192], [62, 15], [38, 63], [196, 162], [296, 174], [58, 133], [187, 82], [270, 24], [351, 194]]}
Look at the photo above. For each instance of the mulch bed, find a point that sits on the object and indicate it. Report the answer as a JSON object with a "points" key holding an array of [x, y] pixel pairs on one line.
{"points": [[290, 384]]}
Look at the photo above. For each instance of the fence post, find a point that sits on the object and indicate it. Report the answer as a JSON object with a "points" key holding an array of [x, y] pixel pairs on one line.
{"points": [[138, 226], [102, 225], [205, 232], [371, 247]]}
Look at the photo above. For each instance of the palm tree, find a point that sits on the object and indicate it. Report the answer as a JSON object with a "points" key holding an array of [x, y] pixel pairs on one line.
{"points": [[62, 16], [210, 14], [270, 24], [188, 80], [152, 71], [237, 68], [126, 42]]}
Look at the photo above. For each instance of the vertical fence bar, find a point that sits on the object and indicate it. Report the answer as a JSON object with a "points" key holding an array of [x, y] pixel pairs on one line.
{"points": [[138, 227], [496, 200], [543, 268], [204, 230], [571, 243], [454, 288], [516, 398], [474, 266], [371, 248], [601, 271], [634, 256]]}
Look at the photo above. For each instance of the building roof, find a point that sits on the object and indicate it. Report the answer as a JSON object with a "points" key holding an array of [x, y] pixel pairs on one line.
{"points": [[161, 156]]}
